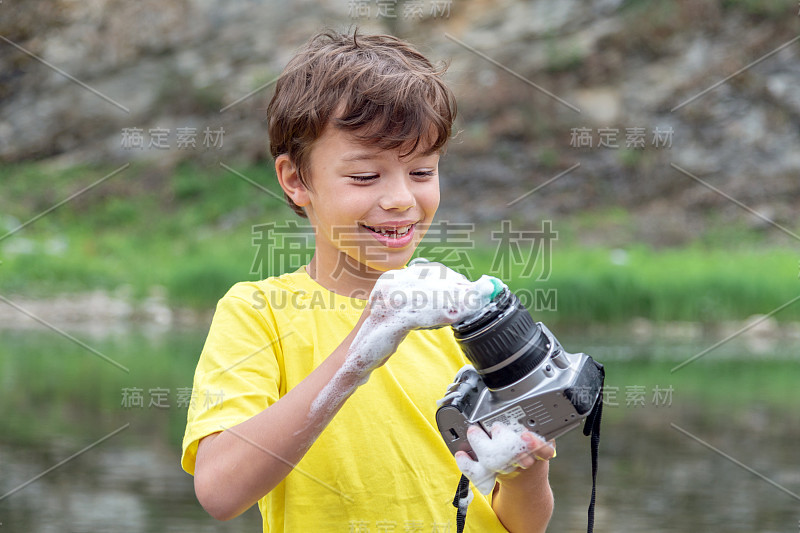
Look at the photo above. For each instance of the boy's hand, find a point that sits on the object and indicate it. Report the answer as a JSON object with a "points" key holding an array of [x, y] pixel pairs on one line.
{"points": [[423, 295], [506, 451], [427, 295]]}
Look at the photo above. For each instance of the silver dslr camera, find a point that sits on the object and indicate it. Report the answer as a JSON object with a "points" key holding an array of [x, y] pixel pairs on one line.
{"points": [[521, 375]]}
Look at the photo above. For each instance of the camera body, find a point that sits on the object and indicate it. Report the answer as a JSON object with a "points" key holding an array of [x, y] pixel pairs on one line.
{"points": [[521, 374]]}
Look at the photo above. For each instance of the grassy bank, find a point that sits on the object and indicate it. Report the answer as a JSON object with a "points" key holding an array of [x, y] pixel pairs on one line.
{"points": [[691, 284], [190, 231]]}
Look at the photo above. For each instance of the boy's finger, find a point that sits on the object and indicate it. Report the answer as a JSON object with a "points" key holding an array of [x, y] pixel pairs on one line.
{"points": [[497, 429], [538, 447], [526, 460], [464, 461], [482, 478], [479, 440]]}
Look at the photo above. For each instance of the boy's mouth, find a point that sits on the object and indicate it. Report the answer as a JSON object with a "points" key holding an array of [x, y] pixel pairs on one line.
{"points": [[393, 236], [391, 232]]}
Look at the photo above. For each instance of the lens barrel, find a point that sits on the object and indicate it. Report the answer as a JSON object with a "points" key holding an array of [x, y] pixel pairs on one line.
{"points": [[502, 342]]}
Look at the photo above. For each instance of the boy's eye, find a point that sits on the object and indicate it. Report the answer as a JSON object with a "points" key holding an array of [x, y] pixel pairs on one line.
{"points": [[363, 177], [422, 173], [370, 177]]}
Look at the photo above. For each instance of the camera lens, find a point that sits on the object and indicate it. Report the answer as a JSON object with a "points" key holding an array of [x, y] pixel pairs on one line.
{"points": [[502, 341]]}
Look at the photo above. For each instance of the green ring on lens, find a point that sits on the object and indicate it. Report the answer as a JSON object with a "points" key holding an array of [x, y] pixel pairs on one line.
{"points": [[498, 286]]}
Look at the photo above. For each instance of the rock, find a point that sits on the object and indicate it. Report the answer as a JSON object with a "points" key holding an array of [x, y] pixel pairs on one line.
{"points": [[155, 310], [641, 329], [171, 63], [761, 327], [600, 105]]}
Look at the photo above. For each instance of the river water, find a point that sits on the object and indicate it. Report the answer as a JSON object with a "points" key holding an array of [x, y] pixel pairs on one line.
{"points": [[710, 447]]}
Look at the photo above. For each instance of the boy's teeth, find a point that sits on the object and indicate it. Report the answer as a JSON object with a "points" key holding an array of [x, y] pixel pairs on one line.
{"points": [[391, 232]]}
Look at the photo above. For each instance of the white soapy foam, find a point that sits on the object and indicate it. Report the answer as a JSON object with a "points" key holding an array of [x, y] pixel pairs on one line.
{"points": [[496, 454], [463, 503], [423, 295]]}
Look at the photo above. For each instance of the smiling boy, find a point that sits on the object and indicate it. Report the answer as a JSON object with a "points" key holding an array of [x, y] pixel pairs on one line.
{"points": [[328, 413]]}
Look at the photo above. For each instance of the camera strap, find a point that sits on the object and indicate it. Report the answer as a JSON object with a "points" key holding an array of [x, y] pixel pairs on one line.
{"points": [[592, 427], [462, 493]]}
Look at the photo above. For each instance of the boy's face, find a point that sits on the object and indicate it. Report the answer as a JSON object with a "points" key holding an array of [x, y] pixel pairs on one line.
{"points": [[368, 203]]}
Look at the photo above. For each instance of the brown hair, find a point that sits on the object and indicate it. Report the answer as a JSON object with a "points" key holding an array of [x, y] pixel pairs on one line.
{"points": [[377, 87]]}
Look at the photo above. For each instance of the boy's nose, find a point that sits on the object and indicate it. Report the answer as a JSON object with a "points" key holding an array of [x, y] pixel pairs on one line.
{"points": [[397, 195]]}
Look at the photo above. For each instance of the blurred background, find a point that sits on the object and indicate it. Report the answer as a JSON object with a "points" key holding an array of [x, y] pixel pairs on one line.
{"points": [[630, 167]]}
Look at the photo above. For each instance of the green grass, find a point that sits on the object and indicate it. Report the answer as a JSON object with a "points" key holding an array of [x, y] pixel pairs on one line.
{"points": [[688, 284], [770, 9], [694, 284], [190, 232]]}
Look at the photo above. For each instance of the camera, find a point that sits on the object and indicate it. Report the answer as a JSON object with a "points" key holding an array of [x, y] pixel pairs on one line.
{"points": [[520, 374]]}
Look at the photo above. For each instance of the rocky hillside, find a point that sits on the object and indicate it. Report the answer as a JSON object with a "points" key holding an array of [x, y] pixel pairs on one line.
{"points": [[647, 105]]}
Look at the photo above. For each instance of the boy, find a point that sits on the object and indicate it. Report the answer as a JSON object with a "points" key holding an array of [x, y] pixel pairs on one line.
{"points": [[318, 424]]}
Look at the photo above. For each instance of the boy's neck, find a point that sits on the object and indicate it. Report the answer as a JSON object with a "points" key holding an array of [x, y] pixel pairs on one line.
{"points": [[348, 278]]}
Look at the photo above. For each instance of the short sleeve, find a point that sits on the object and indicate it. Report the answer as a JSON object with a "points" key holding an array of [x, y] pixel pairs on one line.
{"points": [[238, 374]]}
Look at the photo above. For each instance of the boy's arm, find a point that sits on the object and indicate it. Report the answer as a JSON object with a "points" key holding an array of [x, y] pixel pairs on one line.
{"points": [[238, 466], [523, 501]]}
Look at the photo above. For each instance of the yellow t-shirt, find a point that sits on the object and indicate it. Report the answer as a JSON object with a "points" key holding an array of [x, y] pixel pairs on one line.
{"points": [[381, 464]]}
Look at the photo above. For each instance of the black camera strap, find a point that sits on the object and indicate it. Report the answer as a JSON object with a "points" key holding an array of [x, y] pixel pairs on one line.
{"points": [[462, 493], [592, 427]]}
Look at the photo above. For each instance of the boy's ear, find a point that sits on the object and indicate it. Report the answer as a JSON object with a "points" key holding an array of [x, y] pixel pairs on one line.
{"points": [[289, 178]]}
